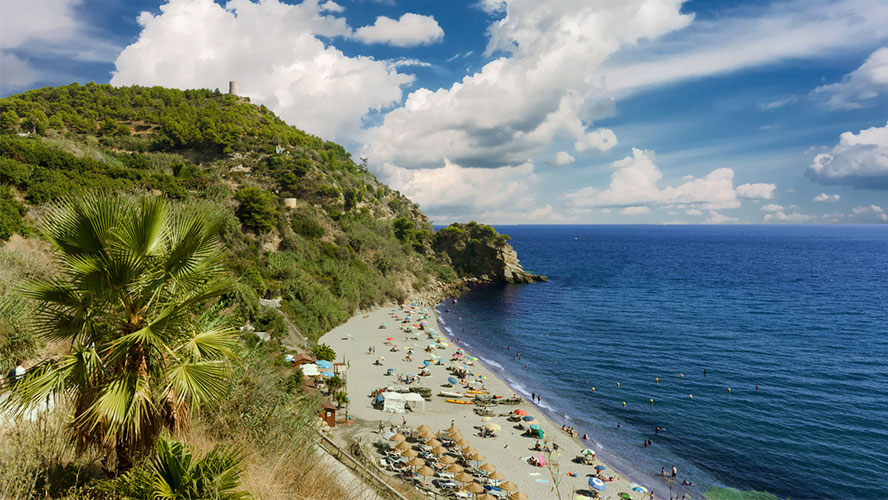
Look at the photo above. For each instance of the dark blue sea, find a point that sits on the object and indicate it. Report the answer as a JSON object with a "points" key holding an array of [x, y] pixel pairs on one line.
{"points": [[780, 333]]}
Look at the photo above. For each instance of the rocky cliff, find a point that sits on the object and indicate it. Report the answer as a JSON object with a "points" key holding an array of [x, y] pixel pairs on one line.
{"points": [[479, 253]]}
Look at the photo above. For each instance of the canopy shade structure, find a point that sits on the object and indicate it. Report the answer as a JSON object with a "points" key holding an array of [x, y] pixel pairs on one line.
{"points": [[310, 370]]}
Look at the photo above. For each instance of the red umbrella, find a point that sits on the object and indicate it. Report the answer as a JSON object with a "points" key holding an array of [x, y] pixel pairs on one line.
{"points": [[521, 413], [390, 338]]}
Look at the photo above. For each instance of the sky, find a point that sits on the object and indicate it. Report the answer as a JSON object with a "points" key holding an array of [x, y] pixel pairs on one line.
{"points": [[527, 111]]}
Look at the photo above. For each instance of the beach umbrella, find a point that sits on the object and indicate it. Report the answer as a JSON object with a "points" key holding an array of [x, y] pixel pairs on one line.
{"points": [[487, 496], [427, 435], [439, 450], [477, 457], [493, 427], [397, 438], [517, 496], [496, 476], [425, 471], [600, 467], [409, 453], [426, 362], [541, 460], [464, 477], [447, 459], [486, 419], [596, 483], [403, 446], [488, 468], [452, 380], [637, 488], [462, 443], [322, 363], [527, 418], [433, 443], [535, 427], [452, 429], [589, 452], [468, 450], [474, 487], [625, 496], [521, 413], [455, 468], [327, 374], [508, 486], [415, 462], [390, 338], [423, 428]]}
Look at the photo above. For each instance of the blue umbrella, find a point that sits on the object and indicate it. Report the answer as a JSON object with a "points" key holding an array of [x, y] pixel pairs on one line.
{"points": [[535, 427], [390, 371], [324, 364], [600, 467], [596, 483], [452, 380], [527, 418], [426, 362], [327, 374]]}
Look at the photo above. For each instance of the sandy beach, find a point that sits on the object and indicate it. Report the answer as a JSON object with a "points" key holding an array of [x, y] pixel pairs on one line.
{"points": [[508, 451]]}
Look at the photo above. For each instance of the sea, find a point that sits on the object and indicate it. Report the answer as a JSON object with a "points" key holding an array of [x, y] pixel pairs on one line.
{"points": [[761, 352]]}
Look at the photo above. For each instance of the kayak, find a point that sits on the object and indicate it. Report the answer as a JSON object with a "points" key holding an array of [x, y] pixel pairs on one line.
{"points": [[450, 394], [476, 392], [458, 402]]}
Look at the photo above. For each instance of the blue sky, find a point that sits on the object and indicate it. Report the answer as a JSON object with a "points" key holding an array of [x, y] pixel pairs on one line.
{"points": [[527, 111]]}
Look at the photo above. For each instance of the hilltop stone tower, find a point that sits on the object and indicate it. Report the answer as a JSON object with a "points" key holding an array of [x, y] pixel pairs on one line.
{"points": [[232, 87]]}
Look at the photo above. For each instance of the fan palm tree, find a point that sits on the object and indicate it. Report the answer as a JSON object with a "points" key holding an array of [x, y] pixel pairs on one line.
{"points": [[174, 473], [132, 274]]}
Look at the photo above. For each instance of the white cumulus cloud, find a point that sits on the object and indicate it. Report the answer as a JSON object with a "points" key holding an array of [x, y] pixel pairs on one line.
{"points": [[863, 84], [792, 217], [408, 31], [635, 182], [544, 83], [771, 207], [272, 49], [759, 191], [827, 198], [562, 158], [869, 213], [859, 160], [636, 211], [718, 218]]}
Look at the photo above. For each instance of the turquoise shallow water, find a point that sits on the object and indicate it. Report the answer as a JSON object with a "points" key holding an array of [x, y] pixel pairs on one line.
{"points": [[799, 311]]}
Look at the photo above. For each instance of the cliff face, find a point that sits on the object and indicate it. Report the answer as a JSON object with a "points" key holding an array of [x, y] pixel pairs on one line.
{"points": [[479, 254]]}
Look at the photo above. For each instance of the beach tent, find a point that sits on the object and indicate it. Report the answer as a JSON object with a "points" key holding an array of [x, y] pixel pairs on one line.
{"points": [[310, 370], [414, 397], [393, 402]]}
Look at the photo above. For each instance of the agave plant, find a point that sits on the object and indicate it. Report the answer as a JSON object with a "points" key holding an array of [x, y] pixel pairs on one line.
{"points": [[133, 273], [175, 474]]}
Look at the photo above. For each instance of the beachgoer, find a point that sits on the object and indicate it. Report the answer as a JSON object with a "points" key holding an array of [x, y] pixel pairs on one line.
{"points": [[533, 396], [16, 374], [404, 420], [674, 472], [663, 472], [618, 425], [657, 429]]}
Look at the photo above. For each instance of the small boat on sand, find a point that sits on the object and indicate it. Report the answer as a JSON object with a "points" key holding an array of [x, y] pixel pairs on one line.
{"points": [[458, 401], [450, 394]]}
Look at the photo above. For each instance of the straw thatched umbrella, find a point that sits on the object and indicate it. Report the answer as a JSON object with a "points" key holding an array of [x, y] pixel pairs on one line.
{"points": [[488, 467], [403, 445], [493, 427], [447, 459], [486, 419], [423, 428], [433, 443], [464, 477], [416, 462], [409, 453], [517, 496], [487, 496], [455, 468], [427, 435], [452, 429], [476, 457], [496, 476], [439, 450], [462, 443], [468, 450], [474, 487], [509, 486], [397, 438], [425, 471]]}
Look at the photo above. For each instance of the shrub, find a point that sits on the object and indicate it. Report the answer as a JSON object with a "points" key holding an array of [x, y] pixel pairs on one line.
{"points": [[323, 351], [257, 210]]}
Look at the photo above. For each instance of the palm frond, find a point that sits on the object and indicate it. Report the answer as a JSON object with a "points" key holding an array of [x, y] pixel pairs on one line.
{"points": [[200, 381], [214, 344]]}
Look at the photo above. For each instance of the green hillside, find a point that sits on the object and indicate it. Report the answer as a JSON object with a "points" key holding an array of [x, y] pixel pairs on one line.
{"points": [[305, 222]]}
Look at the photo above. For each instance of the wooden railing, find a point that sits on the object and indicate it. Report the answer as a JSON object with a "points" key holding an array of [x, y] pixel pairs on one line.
{"points": [[335, 451]]}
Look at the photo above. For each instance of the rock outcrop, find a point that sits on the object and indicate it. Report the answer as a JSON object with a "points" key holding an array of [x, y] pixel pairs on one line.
{"points": [[479, 253]]}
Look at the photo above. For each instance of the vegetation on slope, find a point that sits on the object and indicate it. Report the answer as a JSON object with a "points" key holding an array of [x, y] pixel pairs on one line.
{"points": [[343, 242]]}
